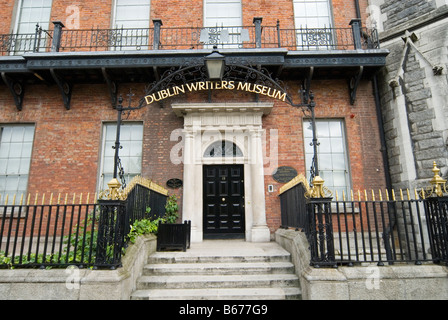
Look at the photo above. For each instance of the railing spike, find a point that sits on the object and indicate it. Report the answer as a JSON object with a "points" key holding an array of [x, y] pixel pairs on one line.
{"points": [[28, 199], [380, 195], [51, 198], [43, 198], [74, 197], [6, 199], [393, 195], [36, 198], [373, 195], [14, 199], [408, 193], [401, 194], [21, 199], [66, 198]]}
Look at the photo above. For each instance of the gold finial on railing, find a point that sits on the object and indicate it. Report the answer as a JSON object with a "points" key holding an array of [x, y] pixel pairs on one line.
{"points": [[438, 185], [318, 190], [114, 192]]}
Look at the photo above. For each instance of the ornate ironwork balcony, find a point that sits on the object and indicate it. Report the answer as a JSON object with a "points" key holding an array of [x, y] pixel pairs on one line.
{"points": [[181, 38]]}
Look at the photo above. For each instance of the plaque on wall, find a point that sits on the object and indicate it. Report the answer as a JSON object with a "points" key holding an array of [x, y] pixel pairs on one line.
{"points": [[284, 174], [174, 183]]}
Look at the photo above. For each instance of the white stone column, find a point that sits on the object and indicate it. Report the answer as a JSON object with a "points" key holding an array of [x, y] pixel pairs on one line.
{"points": [[260, 231], [190, 210]]}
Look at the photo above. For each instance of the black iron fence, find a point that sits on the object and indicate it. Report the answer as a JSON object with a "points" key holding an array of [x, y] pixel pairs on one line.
{"points": [[73, 232], [177, 38], [369, 229]]}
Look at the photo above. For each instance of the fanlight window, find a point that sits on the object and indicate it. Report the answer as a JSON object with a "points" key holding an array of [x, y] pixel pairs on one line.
{"points": [[223, 149]]}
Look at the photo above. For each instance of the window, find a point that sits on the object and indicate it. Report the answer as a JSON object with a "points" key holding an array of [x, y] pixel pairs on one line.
{"points": [[223, 24], [223, 149], [332, 153], [131, 139], [313, 20], [31, 13], [132, 17], [16, 144]]}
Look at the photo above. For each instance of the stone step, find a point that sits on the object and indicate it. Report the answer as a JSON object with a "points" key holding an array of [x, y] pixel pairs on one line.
{"points": [[217, 281], [293, 293], [233, 270], [164, 258], [214, 268]]}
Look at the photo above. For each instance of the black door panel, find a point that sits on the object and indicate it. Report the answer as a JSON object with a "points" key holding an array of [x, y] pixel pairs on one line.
{"points": [[224, 201]]}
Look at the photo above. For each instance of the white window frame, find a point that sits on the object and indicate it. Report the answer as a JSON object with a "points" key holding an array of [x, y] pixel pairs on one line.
{"points": [[20, 155], [226, 35], [127, 152], [312, 39], [30, 35], [130, 36], [328, 167]]}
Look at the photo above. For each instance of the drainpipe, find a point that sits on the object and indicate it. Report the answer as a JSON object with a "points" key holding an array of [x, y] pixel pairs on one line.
{"points": [[379, 115], [358, 9]]}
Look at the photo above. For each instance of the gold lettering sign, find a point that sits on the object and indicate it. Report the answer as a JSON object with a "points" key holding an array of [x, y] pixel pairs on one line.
{"points": [[215, 85]]}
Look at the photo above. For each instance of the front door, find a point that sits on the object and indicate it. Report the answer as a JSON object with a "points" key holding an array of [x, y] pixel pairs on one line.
{"points": [[223, 196]]}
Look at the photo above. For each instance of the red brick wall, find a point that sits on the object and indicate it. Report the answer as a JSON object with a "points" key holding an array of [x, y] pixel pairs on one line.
{"points": [[362, 135], [92, 14], [67, 143]]}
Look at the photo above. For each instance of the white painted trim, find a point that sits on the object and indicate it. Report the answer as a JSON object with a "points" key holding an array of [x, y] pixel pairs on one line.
{"points": [[243, 124]]}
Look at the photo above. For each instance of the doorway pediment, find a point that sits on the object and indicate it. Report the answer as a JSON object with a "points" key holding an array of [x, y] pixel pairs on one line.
{"points": [[262, 108]]}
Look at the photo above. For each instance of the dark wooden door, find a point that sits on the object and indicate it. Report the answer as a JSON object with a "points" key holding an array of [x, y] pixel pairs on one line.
{"points": [[223, 201]]}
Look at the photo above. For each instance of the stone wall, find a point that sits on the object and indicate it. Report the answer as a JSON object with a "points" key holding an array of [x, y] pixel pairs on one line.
{"points": [[79, 284], [370, 282], [414, 88]]}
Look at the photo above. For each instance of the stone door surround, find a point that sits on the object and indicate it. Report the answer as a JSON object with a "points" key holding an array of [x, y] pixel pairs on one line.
{"points": [[240, 123]]}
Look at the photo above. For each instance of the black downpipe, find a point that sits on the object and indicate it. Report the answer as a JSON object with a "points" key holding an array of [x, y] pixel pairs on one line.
{"points": [[358, 9], [391, 206], [379, 115]]}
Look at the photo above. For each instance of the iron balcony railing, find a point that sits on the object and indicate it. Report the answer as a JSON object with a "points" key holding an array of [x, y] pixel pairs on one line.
{"points": [[181, 38]]}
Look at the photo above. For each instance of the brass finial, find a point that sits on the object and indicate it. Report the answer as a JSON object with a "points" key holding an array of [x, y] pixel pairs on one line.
{"points": [[319, 190], [114, 192], [438, 184]]}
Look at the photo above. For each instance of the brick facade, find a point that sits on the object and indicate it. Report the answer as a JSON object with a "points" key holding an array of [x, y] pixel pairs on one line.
{"points": [[67, 143]]}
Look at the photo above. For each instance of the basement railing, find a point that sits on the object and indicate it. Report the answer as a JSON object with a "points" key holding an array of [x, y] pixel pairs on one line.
{"points": [[60, 231], [184, 38], [370, 227]]}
